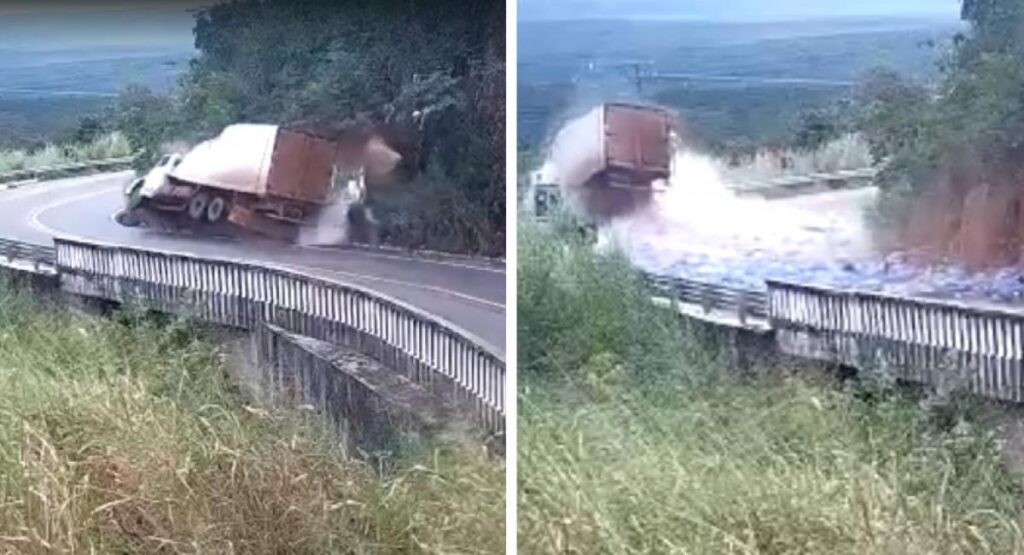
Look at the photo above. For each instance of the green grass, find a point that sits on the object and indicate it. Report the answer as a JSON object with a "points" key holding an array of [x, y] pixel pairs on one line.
{"points": [[650, 442], [111, 145], [126, 435]]}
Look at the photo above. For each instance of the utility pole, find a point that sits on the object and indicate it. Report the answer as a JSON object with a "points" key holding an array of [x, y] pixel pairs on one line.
{"points": [[636, 72]]}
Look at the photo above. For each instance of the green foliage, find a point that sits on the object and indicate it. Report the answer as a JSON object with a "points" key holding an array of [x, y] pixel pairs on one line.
{"points": [[973, 122], [761, 468], [635, 437], [89, 127], [429, 76], [818, 127], [129, 435], [100, 147], [148, 120], [586, 317]]}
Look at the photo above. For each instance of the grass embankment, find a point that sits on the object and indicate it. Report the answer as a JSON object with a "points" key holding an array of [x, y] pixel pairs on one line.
{"points": [[126, 435], [103, 147], [636, 437], [849, 152]]}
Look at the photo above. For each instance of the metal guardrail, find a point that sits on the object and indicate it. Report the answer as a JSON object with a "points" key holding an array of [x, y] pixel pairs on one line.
{"points": [[744, 303], [925, 340], [35, 255], [428, 351], [805, 180], [45, 171]]}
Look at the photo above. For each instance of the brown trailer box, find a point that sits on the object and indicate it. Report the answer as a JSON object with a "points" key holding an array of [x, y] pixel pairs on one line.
{"points": [[636, 142], [301, 168], [264, 161], [607, 159]]}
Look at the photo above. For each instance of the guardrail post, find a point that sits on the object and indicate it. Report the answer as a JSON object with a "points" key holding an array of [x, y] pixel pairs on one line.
{"points": [[361, 319], [912, 337], [707, 302]]}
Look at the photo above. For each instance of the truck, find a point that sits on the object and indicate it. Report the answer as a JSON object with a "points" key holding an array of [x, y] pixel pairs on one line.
{"points": [[543, 198], [608, 160], [259, 177]]}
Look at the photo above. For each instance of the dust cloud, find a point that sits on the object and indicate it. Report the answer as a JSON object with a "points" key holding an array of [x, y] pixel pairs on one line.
{"points": [[696, 227], [376, 162], [576, 159], [962, 218], [331, 226], [694, 214]]}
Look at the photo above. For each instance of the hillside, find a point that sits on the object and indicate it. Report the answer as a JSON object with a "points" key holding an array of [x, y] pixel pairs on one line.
{"points": [[44, 93], [734, 81]]}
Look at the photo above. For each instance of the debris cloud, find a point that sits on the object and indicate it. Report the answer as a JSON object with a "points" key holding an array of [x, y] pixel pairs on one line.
{"points": [[960, 245]]}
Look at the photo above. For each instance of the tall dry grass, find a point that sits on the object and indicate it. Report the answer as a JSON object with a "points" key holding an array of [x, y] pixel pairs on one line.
{"points": [[130, 436], [632, 440]]}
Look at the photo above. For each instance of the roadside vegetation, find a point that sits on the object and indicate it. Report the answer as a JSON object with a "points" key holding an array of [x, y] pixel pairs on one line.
{"points": [[99, 147], [128, 435], [431, 80], [953, 151], [971, 123], [847, 152], [638, 435]]}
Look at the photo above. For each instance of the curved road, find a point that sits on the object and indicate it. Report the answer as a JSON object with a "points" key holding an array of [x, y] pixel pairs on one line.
{"points": [[466, 293]]}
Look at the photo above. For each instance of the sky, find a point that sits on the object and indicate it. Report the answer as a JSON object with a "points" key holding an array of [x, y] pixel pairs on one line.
{"points": [[733, 10], [68, 24], [64, 24]]}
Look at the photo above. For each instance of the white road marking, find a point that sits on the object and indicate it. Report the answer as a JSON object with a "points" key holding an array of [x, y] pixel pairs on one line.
{"points": [[431, 288], [83, 181], [35, 220], [451, 263], [35, 215]]}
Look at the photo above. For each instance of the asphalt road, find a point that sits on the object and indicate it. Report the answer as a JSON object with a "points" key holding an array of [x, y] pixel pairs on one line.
{"points": [[466, 293]]}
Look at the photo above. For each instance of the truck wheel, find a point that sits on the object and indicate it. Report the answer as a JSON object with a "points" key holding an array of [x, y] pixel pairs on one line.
{"points": [[197, 205], [215, 210]]}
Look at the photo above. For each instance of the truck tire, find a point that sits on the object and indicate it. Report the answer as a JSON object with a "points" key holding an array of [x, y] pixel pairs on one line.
{"points": [[216, 209], [197, 205]]}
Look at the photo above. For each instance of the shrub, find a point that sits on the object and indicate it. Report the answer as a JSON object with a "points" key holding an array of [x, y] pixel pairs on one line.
{"points": [[129, 435]]}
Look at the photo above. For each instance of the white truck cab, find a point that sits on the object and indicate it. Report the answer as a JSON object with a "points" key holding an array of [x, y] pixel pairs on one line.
{"points": [[155, 179], [544, 196]]}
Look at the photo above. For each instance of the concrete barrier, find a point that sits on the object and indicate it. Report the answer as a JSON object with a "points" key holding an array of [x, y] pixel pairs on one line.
{"points": [[374, 410]]}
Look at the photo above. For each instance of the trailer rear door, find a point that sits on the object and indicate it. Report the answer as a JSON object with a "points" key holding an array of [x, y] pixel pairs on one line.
{"points": [[301, 167], [637, 140]]}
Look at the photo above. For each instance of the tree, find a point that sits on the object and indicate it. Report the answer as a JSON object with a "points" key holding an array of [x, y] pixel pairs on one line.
{"points": [[426, 74], [148, 120], [817, 128], [955, 148], [976, 112], [89, 127]]}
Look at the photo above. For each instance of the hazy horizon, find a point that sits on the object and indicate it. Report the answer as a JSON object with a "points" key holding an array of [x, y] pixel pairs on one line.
{"points": [[734, 11], [72, 25]]}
